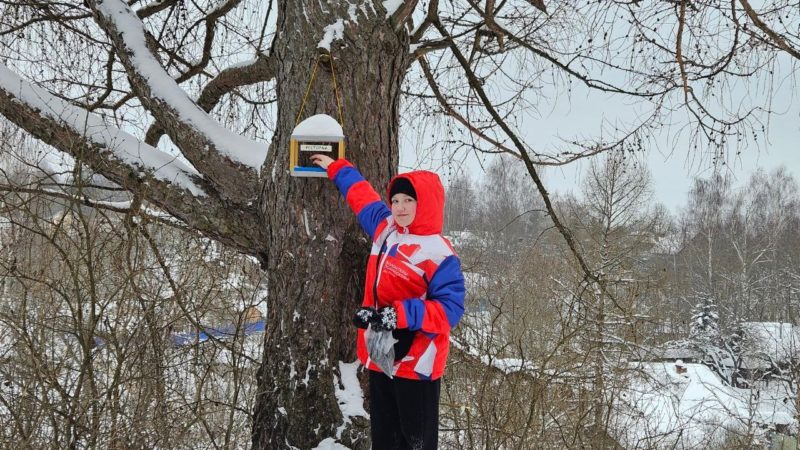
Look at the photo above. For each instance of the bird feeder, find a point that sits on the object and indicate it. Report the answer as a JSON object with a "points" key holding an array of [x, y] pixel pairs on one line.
{"points": [[317, 134]]}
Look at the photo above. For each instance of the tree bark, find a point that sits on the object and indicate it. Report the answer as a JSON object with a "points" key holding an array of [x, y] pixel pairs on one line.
{"points": [[317, 252]]}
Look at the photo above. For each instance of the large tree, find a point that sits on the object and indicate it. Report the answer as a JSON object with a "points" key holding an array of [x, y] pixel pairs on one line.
{"points": [[155, 98]]}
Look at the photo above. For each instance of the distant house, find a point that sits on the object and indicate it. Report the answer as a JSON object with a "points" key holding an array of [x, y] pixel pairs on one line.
{"points": [[674, 354], [251, 323], [763, 349], [687, 406], [251, 315], [777, 341], [768, 348]]}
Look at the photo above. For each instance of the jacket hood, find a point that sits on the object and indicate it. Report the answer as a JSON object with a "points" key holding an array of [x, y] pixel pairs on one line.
{"points": [[430, 201]]}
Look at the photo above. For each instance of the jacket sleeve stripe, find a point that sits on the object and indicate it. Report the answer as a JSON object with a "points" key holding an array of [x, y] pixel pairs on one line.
{"points": [[336, 166], [345, 178], [447, 287], [361, 194], [444, 306], [372, 215]]}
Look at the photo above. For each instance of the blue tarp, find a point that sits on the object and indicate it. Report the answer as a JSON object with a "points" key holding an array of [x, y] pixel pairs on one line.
{"points": [[195, 337], [227, 332]]}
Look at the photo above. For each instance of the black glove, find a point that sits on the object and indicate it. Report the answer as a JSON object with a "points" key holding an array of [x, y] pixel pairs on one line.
{"points": [[364, 316], [384, 319]]}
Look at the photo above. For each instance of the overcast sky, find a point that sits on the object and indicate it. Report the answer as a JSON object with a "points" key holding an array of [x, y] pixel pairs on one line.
{"points": [[674, 165], [672, 162]]}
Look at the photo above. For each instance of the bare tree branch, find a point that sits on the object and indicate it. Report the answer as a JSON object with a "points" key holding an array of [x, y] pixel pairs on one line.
{"points": [[776, 38], [403, 14], [433, 8], [543, 160], [566, 67], [529, 164], [679, 50], [425, 47], [155, 7]]}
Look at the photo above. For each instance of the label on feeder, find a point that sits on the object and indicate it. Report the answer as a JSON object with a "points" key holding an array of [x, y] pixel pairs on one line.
{"points": [[316, 148], [306, 149]]}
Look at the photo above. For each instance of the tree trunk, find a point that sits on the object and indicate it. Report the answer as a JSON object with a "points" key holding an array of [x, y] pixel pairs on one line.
{"points": [[316, 251]]}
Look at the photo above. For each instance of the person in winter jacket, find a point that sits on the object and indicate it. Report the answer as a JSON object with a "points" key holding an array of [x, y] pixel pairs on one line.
{"points": [[414, 289]]}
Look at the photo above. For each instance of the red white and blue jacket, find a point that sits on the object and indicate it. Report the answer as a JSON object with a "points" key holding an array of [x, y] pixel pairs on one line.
{"points": [[412, 268]]}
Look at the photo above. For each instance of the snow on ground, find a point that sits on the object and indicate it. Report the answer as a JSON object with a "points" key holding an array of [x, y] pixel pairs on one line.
{"points": [[330, 444], [662, 404], [464, 239], [349, 395], [686, 406], [476, 337], [505, 365]]}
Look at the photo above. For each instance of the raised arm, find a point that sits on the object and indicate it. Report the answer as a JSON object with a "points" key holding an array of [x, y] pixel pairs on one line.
{"points": [[371, 211]]}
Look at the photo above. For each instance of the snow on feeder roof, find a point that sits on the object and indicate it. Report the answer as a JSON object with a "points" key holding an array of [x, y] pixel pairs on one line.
{"points": [[318, 128], [320, 133]]}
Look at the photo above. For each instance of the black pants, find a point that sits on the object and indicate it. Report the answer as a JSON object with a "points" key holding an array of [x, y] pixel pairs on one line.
{"points": [[404, 413]]}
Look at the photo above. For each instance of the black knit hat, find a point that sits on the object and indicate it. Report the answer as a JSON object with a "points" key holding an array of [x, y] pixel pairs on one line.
{"points": [[402, 186]]}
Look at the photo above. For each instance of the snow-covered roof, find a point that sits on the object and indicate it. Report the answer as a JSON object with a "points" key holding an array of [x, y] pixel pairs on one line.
{"points": [[222, 333], [195, 337], [680, 353], [777, 340], [758, 361], [662, 406]]}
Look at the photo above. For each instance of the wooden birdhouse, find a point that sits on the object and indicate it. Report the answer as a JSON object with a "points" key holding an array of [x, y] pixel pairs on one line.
{"points": [[317, 134]]}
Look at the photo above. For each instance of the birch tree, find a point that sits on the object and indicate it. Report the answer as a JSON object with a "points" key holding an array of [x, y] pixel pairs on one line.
{"points": [[189, 107]]}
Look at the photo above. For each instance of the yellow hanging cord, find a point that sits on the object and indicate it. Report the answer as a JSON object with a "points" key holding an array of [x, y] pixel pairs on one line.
{"points": [[336, 93], [308, 91]]}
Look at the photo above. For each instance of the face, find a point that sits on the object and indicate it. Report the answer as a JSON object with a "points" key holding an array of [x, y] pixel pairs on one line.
{"points": [[404, 209]]}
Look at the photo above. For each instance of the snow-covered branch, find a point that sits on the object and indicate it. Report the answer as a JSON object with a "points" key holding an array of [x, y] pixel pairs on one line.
{"points": [[400, 12], [123, 148], [230, 161], [259, 70], [164, 180]]}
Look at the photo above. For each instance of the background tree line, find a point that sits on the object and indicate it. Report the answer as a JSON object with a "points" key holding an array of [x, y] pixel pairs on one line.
{"points": [[93, 298], [561, 348]]}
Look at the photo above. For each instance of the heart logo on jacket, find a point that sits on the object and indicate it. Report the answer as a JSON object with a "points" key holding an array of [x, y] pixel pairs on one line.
{"points": [[407, 251]]}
